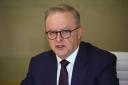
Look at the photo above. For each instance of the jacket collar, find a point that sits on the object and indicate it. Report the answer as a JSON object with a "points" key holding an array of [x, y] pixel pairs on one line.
{"points": [[80, 65]]}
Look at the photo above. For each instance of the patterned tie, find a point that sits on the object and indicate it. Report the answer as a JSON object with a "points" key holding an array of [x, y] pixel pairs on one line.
{"points": [[63, 80]]}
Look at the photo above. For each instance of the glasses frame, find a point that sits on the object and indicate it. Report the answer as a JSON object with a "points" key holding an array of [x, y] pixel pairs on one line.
{"points": [[60, 32]]}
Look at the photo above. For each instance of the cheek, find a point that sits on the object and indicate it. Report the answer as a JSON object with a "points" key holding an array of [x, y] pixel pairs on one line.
{"points": [[75, 37], [70, 42], [73, 41]]}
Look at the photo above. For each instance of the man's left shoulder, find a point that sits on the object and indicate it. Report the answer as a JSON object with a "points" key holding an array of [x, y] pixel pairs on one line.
{"points": [[96, 53]]}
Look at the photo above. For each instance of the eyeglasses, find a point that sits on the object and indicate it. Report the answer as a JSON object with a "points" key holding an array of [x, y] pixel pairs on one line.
{"points": [[64, 34]]}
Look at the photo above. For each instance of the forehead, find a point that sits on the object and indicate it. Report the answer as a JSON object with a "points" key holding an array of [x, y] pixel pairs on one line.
{"points": [[66, 13], [60, 20]]}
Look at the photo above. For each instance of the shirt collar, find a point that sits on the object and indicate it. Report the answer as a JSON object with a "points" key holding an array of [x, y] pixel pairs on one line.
{"points": [[71, 58]]}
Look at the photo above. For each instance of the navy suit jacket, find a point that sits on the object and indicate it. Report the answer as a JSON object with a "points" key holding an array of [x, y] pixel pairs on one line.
{"points": [[92, 66]]}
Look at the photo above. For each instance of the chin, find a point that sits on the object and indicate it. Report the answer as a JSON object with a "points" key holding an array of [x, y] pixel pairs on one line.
{"points": [[60, 55]]}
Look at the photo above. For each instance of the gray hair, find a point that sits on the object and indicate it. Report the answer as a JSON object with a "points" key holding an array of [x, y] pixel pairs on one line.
{"points": [[64, 8]]}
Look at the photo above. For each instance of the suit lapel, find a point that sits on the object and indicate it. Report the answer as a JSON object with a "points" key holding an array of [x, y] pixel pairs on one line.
{"points": [[80, 66], [51, 70]]}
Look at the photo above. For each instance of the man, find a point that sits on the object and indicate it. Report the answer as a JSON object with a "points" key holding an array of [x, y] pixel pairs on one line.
{"points": [[85, 63]]}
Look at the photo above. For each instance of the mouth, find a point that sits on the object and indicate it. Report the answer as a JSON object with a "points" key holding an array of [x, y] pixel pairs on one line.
{"points": [[60, 46]]}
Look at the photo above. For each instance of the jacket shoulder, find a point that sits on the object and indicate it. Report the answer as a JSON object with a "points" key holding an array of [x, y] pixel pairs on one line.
{"points": [[43, 57], [96, 53]]}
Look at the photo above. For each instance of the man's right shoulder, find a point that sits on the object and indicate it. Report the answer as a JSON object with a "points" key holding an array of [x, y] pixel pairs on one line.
{"points": [[41, 60], [44, 55]]}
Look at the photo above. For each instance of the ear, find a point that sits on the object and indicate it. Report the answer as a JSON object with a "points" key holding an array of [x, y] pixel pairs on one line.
{"points": [[81, 32]]}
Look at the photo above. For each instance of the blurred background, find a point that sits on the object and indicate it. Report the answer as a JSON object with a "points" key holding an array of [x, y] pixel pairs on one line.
{"points": [[22, 30]]}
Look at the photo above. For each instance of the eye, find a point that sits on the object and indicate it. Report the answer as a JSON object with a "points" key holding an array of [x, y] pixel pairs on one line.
{"points": [[52, 32], [65, 31]]}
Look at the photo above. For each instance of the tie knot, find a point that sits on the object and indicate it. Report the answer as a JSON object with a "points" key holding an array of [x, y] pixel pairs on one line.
{"points": [[64, 63]]}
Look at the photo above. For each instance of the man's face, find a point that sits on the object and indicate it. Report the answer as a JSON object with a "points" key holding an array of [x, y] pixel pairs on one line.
{"points": [[63, 21]]}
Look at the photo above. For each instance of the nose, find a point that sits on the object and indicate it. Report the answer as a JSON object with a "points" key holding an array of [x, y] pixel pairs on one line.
{"points": [[59, 37]]}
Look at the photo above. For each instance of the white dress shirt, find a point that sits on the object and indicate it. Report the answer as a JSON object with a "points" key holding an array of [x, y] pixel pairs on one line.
{"points": [[71, 58]]}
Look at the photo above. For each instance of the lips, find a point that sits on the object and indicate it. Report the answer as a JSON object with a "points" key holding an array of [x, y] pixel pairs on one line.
{"points": [[60, 46]]}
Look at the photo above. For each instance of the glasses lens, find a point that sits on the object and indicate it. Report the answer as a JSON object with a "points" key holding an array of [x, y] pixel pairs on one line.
{"points": [[51, 35], [65, 33]]}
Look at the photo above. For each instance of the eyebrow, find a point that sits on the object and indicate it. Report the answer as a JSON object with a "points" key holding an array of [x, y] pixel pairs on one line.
{"points": [[65, 28]]}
